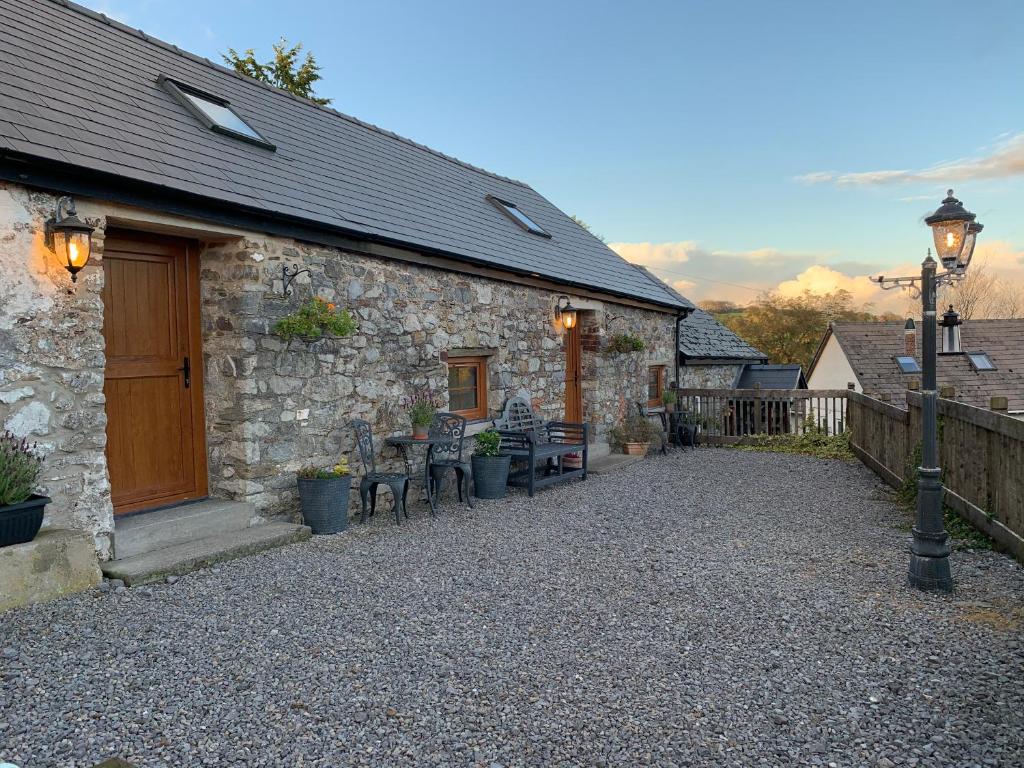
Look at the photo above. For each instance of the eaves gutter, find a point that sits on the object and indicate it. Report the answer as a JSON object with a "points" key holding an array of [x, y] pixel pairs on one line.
{"points": [[68, 179]]}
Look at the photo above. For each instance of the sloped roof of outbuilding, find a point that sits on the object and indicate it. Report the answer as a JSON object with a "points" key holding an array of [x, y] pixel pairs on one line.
{"points": [[80, 91], [773, 376], [702, 337]]}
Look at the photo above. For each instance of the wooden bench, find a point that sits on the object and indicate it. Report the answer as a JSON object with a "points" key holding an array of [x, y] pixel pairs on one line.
{"points": [[540, 446]]}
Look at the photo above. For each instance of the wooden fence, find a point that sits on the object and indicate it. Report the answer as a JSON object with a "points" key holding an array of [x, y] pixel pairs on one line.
{"points": [[726, 416], [981, 453]]}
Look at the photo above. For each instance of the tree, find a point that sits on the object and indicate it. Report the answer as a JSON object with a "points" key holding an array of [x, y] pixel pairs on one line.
{"points": [[587, 227], [789, 328], [983, 295], [283, 71]]}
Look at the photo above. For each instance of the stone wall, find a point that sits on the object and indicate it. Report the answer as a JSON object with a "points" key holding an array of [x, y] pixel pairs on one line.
{"points": [[259, 388], [708, 376], [272, 407], [51, 363]]}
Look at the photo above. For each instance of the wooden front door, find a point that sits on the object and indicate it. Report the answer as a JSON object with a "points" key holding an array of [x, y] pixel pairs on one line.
{"points": [[573, 375], [156, 452]]}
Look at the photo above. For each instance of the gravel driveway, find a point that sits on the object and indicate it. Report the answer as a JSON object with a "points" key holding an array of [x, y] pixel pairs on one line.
{"points": [[711, 608]]}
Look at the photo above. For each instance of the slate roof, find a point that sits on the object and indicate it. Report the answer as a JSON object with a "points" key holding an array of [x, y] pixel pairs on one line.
{"points": [[871, 347], [701, 337], [774, 376], [79, 89]]}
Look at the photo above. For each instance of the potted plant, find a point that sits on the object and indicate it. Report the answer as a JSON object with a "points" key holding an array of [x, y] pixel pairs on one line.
{"points": [[634, 435], [490, 468], [313, 320], [323, 497], [421, 408], [21, 510], [669, 399]]}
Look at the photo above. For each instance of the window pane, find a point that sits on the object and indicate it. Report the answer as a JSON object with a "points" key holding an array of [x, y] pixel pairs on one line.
{"points": [[462, 399], [222, 116], [462, 376]]}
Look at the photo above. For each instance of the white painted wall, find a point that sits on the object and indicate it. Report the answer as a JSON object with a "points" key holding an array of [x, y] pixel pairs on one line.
{"points": [[833, 370]]}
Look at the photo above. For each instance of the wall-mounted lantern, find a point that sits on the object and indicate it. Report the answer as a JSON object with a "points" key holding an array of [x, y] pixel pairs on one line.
{"points": [[565, 313], [69, 237], [951, 332]]}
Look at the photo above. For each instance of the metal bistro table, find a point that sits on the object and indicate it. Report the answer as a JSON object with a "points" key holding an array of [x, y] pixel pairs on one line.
{"points": [[404, 442]]}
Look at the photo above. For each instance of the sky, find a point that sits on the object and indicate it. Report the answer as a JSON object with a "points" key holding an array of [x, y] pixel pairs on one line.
{"points": [[733, 147]]}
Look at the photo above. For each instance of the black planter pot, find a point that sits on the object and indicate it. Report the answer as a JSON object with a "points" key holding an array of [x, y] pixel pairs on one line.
{"points": [[324, 503], [490, 476], [19, 523]]}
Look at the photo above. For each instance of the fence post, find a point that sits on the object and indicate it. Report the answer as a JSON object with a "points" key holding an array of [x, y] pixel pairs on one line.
{"points": [[757, 408], [999, 403]]}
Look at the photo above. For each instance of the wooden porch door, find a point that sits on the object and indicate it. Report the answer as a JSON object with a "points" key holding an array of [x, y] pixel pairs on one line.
{"points": [[156, 451], [573, 375]]}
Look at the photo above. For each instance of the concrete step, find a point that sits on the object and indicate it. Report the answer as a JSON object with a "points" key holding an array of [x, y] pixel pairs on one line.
{"points": [[190, 556], [611, 462], [162, 528]]}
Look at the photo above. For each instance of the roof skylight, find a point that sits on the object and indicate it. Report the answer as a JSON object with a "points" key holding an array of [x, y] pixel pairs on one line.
{"points": [[214, 112], [520, 218], [907, 364], [980, 361]]}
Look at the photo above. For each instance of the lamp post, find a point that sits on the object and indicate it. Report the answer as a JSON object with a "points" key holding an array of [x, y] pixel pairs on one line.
{"points": [[955, 232]]}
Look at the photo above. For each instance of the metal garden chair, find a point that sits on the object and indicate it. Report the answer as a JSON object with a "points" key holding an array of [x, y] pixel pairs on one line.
{"points": [[447, 456], [398, 482]]}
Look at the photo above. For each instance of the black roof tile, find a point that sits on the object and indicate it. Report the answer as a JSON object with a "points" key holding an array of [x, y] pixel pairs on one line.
{"points": [[110, 114]]}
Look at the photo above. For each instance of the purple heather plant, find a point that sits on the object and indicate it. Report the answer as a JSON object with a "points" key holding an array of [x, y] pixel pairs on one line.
{"points": [[20, 465]]}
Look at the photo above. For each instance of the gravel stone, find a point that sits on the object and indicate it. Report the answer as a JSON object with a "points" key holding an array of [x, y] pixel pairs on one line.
{"points": [[709, 608]]}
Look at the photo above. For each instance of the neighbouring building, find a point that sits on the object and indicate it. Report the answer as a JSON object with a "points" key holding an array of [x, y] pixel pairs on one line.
{"points": [[979, 360], [710, 355], [773, 376], [220, 205]]}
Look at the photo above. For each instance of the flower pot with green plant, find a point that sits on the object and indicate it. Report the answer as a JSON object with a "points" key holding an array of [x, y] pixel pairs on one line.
{"points": [[634, 435], [21, 509], [669, 399], [490, 468], [323, 497], [314, 320], [421, 407]]}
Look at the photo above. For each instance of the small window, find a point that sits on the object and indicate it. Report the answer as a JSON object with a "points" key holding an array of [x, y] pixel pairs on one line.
{"points": [[908, 364], [655, 385], [467, 386], [215, 113], [980, 361], [520, 218]]}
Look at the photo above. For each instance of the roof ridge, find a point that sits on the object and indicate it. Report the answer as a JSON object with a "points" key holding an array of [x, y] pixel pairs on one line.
{"points": [[287, 94]]}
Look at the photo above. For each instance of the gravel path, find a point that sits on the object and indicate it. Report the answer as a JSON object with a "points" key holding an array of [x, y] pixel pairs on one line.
{"points": [[713, 608]]}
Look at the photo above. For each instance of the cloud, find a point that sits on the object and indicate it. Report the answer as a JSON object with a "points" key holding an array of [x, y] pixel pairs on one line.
{"points": [[1003, 160], [699, 273], [740, 276]]}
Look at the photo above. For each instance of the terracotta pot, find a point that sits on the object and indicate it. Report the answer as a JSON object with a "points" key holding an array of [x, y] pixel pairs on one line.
{"points": [[420, 432], [572, 461], [635, 449]]}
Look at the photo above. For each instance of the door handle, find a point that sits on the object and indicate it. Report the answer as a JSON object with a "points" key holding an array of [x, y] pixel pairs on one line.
{"points": [[186, 368]]}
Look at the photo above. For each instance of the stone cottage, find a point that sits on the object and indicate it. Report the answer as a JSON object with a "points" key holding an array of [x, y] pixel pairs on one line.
{"points": [[220, 205]]}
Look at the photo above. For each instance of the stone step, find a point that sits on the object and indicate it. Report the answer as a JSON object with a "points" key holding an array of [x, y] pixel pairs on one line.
{"points": [[190, 556], [611, 463], [162, 528]]}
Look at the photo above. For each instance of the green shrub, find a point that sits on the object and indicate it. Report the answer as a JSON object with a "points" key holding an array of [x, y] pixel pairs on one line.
{"points": [[20, 465], [815, 442], [621, 343], [635, 429], [488, 443], [314, 319], [668, 398]]}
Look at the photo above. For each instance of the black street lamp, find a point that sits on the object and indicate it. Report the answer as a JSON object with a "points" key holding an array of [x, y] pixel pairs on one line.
{"points": [[955, 231]]}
